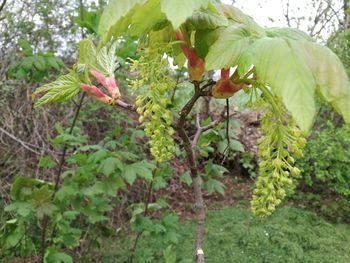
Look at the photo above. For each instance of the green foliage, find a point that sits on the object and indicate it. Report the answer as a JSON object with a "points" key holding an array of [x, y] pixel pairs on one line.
{"points": [[326, 161], [214, 141], [89, 20], [34, 67]]}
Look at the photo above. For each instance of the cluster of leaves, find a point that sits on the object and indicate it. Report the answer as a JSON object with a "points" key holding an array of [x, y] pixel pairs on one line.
{"points": [[67, 86], [33, 66]]}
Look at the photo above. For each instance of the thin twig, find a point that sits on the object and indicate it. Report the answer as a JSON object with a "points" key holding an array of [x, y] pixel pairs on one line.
{"points": [[24, 144], [200, 129], [125, 106]]}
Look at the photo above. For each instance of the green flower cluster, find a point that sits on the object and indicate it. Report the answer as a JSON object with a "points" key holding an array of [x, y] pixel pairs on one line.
{"points": [[154, 86], [281, 138]]}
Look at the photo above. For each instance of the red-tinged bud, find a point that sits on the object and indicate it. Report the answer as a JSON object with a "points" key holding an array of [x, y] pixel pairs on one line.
{"points": [[108, 82], [112, 88], [195, 64], [99, 77], [96, 93], [225, 73], [224, 89], [179, 35]]}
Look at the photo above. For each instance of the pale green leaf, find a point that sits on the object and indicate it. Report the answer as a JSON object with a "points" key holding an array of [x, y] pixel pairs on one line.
{"points": [[116, 17], [331, 77], [62, 89], [86, 52], [228, 48], [145, 18], [239, 17], [177, 11], [207, 20], [280, 64], [291, 33], [106, 60]]}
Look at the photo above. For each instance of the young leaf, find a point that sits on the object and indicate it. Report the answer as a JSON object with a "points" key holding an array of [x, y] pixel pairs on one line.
{"points": [[106, 60], [62, 89], [116, 17], [145, 18]]}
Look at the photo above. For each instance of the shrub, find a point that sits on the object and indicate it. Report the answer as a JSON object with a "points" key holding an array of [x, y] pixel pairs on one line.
{"points": [[327, 158]]}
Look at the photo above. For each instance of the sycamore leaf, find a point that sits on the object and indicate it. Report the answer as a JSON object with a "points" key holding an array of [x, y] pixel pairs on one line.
{"points": [[204, 39], [207, 20], [62, 89], [228, 48], [177, 11], [239, 17], [86, 51], [280, 63], [145, 18], [331, 77], [291, 33], [116, 17], [106, 60]]}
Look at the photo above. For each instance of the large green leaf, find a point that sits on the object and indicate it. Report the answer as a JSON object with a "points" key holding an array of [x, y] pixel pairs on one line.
{"points": [[331, 77], [116, 17], [280, 63], [62, 89], [177, 11], [228, 48]]}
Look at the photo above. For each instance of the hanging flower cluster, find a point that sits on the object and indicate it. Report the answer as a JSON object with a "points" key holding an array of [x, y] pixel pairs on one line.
{"points": [[281, 138], [154, 87]]}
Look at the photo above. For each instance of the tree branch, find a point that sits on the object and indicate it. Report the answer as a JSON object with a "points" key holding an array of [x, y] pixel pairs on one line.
{"points": [[2, 5], [192, 161]]}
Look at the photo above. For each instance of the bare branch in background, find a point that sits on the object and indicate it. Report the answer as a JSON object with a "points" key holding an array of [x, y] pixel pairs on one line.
{"points": [[2, 5]]}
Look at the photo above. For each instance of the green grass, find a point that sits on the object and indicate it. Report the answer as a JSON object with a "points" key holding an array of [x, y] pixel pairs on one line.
{"points": [[289, 235]]}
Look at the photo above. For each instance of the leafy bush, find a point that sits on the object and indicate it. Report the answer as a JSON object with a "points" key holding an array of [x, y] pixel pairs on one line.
{"points": [[327, 159]]}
